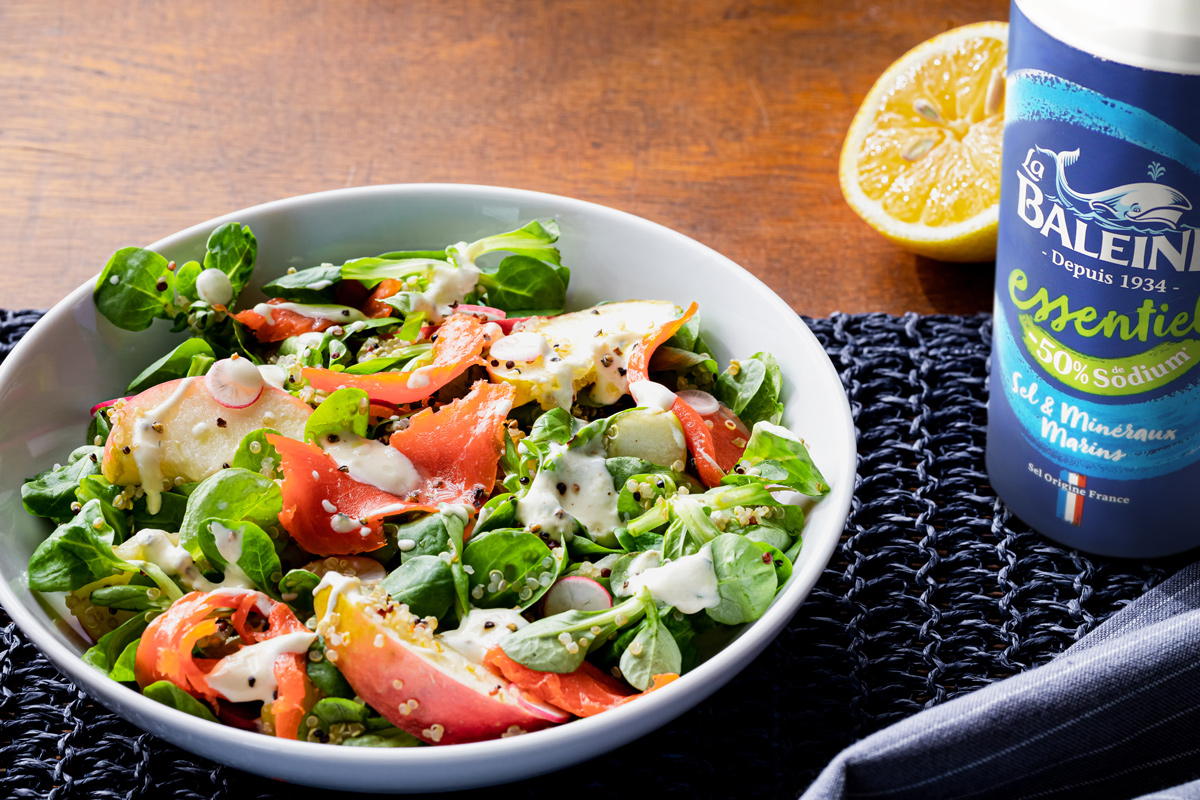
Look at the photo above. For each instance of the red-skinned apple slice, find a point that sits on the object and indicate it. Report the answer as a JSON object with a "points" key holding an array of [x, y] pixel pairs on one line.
{"points": [[194, 434], [394, 662]]}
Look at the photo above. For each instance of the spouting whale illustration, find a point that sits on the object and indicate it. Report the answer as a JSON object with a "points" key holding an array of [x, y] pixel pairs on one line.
{"points": [[1133, 202]]}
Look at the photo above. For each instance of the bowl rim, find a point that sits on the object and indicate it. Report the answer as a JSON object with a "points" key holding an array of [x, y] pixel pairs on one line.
{"points": [[699, 682]]}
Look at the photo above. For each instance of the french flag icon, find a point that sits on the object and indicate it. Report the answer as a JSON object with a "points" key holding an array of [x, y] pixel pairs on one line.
{"points": [[1070, 503]]}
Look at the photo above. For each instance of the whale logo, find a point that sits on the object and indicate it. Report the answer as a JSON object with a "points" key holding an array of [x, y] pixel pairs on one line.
{"points": [[1133, 202]]}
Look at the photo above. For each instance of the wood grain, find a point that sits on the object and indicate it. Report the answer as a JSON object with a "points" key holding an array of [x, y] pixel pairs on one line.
{"points": [[126, 121]]}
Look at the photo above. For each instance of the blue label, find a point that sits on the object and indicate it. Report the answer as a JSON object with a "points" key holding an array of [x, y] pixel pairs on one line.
{"points": [[1096, 364]]}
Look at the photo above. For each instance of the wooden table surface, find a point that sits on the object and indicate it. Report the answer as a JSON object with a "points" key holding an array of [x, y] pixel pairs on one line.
{"points": [[123, 122]]}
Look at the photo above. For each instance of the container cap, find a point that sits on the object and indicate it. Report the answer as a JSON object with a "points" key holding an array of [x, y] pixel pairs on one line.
{"points": [[1161, 35]]}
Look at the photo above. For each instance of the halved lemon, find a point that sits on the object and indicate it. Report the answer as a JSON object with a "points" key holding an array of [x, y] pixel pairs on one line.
{"points": [[921, 162]]}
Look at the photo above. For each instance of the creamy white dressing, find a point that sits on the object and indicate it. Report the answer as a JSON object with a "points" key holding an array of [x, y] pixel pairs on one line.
{"points": [[419, 378], [163, 550], [318, 311], [147, 447], [689, 583], [340, 585], [523, 346], [213, 287], [475, 636], [249, 674], [460, 510], [264, 310], [449, 285], [344, 523], [319, 285], [374, 463], [589, 495], [652, 394]]}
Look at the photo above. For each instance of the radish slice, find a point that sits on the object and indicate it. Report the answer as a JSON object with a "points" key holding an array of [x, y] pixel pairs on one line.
{"points": [[537, 707], [493, 314], [652, 395], [702, 403], [575, 592], [234, 382], [523, 346], [106, 404]]}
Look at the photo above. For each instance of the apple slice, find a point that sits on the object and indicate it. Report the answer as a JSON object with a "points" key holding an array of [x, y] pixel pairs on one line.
{"points": [[180, 428], [394, 662]]}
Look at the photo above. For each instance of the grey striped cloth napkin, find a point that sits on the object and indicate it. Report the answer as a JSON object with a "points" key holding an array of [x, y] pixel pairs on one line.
{"points": [[1115, 716]]}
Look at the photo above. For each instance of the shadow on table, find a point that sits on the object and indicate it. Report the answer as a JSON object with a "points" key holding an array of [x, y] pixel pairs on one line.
{"points": [[956, 288]]}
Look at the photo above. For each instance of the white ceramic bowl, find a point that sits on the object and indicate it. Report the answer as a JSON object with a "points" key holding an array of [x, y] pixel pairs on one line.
{"points": [[72, 359]]}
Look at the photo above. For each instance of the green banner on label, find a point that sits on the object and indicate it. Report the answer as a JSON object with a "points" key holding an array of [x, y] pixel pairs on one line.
{"points": [[1111, 377]]}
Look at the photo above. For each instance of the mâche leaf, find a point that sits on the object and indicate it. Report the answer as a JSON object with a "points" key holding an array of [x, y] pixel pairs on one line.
{"points": [[135, 288], [752, 389]]}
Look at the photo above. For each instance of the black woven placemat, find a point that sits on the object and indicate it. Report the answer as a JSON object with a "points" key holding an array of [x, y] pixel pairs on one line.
{"points": [[934, 591]]}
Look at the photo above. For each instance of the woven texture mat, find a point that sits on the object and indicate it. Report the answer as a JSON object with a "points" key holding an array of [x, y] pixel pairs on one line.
{"points": [[935, 591]]}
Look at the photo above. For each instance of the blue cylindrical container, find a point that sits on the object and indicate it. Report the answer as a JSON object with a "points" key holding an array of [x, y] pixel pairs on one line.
{"points": [[1094, 417]]}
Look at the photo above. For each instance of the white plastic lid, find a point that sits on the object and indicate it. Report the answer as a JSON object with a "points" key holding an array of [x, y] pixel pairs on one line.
{"points": [[1153, 34]]}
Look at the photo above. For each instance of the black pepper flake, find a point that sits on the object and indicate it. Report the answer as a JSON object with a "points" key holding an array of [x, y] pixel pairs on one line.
{"points": [[343, 468], [660, 483], [621, 371], [562, 488], [495, 363], [433, 338], [487, 626], [596, 311], [637, 497], [221, 423], [605, 572], [617, 350], [346, 312], [333, 437], [524, 480], [251, 680], [94, 459], [556, 358], [510, 364], [126, 450], [606, 361], [225, 465], [321, 735], [161, 285]]}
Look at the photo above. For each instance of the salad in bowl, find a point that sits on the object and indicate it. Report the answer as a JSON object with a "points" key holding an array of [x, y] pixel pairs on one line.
{"points": [[408, 500]]}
